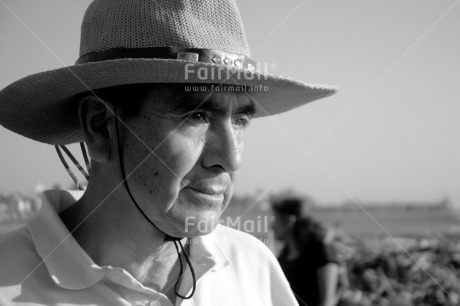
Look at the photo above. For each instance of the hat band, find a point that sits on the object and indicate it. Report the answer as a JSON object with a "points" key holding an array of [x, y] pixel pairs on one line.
{"points": [[187, 54]]}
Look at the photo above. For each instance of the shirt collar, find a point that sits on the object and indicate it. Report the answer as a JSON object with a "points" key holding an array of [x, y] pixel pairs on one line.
{"points": [[206, 255], [207, 250], [68, 264]]}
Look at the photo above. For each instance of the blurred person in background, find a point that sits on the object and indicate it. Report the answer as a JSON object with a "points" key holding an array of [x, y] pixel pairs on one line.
{"points": [[309, 263]]}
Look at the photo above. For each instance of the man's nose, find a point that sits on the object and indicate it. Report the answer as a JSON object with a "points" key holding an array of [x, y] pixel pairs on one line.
{"points": [[224, 148]]}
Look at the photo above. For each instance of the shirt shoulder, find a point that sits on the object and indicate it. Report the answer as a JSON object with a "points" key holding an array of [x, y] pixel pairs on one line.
{"points": [[17, 254], [20, 264]]}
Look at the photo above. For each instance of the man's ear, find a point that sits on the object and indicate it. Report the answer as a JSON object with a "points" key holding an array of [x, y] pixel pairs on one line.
{"points": [[97, 124]]}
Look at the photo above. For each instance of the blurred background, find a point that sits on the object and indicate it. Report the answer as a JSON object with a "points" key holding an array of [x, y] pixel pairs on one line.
{"points": [[378, 162]]}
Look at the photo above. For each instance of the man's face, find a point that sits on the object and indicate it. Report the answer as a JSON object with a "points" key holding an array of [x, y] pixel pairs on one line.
{"points": [[195, 146]]}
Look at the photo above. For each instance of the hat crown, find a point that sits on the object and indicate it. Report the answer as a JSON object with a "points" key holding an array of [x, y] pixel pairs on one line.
{"points": [[207, 24]]}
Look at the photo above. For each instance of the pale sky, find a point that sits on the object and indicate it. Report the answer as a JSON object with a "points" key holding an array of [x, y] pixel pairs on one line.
{"points": [[390, 133]]}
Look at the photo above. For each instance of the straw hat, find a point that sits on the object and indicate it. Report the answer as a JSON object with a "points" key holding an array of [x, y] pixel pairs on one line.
{"points": [[146, 41]]}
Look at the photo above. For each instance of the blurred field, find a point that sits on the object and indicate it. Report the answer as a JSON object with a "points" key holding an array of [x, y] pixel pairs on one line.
{"points": [[397, 222], [407, 222]]}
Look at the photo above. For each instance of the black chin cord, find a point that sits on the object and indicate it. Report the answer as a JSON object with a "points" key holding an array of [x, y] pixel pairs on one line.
{"points": [[175, 240]]}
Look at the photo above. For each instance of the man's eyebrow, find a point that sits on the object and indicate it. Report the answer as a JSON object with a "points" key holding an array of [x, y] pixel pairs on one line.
{"points": [[248, 109], [190, 102]]}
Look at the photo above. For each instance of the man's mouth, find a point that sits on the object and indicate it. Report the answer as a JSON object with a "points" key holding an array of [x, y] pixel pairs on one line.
{"points": [[210, 194], [209, 190]]}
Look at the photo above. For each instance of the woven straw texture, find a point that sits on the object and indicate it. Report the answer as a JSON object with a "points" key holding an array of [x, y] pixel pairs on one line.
{"points": [[39, 106], [207, 24]]}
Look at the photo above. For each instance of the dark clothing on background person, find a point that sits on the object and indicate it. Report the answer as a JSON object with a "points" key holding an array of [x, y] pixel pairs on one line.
{"points": [[302, 271]]}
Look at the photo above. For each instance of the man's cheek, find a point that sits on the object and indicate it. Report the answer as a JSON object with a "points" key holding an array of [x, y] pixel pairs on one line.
{"points": [[182, 152]]}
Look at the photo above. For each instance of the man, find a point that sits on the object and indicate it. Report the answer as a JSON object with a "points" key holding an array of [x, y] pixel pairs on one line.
{"points": [[163, 159]]}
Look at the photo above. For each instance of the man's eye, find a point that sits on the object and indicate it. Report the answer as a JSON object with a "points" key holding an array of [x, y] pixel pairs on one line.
{"points": [[242, 121], [199, 116]]}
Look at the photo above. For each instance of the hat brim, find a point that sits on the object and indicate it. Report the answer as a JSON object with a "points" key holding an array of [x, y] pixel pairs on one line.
{"points": [[39, 106]]}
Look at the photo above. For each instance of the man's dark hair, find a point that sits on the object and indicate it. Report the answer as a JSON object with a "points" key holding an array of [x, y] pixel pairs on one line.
{"points": [[129, 99]]}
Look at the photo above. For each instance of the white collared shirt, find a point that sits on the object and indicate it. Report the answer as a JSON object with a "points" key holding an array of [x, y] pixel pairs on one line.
{"points": [[42, 264]]}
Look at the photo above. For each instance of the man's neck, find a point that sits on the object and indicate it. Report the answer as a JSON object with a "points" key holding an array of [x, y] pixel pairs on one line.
{"points": [[112, 232]]}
